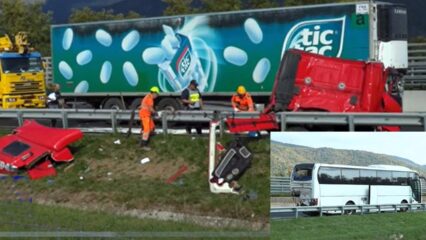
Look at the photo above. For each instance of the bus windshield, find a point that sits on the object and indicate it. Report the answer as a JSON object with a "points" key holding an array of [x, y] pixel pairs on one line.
{"points": [[302, 172], [20, 65]]}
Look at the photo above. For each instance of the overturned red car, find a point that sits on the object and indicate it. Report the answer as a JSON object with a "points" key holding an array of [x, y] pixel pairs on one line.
{"points": [[34, 148]]}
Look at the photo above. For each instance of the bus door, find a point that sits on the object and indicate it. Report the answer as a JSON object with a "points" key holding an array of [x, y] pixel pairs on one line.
{"points": [[373, 195]]}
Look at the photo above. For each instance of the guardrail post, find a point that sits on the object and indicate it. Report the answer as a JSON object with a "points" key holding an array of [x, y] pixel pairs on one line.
{"points": [[283, 120], [20, 118], [362, 210], [320, 211], [114, 121], [221, 127], [64, 119], [164, 122], [351, 123]]}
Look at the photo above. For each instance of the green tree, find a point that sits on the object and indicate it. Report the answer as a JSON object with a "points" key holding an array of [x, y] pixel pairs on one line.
{"points": [[220, 6], [19, 16], [86, 14], [178, 7], [253, 4]]}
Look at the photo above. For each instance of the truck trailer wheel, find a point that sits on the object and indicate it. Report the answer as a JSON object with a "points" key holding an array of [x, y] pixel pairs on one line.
{"points": [[113, 103], [170, 104]]}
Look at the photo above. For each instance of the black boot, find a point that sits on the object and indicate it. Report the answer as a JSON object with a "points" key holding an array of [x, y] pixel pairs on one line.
{"points": [[144, 145]]}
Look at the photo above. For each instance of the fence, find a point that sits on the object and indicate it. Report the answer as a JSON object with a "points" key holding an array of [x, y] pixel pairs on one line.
{"points": [[348, 120], [362, 209], [416, 72]]}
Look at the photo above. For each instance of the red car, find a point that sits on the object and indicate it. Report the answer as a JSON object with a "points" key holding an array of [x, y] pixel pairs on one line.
{"points": [[34, 147]]}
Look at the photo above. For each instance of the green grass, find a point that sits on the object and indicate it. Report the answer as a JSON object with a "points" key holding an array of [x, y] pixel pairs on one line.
{"points": [[131, 185], [373, 226], [27, 217]]}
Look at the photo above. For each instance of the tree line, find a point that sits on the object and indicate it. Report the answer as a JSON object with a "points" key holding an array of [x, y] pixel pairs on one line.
{"points": [[19, 15]]}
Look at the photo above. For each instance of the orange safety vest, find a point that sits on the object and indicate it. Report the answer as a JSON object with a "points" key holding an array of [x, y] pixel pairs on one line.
{"points": [[146, 104], [244, 103]]}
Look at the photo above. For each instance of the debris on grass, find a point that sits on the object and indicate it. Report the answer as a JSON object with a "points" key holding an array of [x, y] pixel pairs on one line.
{"points": [[118, 142], [145, 160]]}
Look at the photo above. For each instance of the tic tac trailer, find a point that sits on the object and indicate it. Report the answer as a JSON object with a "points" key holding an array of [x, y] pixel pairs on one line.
{"points": [[112, 64]]}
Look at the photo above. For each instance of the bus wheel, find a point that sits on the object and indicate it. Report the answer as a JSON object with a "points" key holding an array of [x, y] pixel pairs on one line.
{"points": [[404, 209], [349, 212]]}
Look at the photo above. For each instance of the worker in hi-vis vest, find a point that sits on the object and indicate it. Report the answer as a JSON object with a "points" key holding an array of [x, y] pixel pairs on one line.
{"points": [[242, 101], [191, 98], [145, 115]]}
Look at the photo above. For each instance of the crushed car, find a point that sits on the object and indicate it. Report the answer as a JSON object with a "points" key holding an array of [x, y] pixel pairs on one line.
{"points": [[35, 149]]}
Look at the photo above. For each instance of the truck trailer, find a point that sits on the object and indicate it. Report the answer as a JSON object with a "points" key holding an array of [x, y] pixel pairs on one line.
{"points": [[112, 64]]}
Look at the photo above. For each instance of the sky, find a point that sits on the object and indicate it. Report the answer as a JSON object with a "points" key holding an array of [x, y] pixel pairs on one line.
{"points": [[410, 145]]}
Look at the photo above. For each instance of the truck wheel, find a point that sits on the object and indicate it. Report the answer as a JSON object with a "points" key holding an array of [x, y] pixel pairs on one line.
{"points": [[170, 104], [135, 103], [114, 103], [296, 129]]}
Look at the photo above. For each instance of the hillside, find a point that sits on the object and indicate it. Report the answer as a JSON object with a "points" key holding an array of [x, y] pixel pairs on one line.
{"points": [[285, 156]]}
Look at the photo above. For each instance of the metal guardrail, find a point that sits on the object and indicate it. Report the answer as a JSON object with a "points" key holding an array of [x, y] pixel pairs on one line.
{"points": [[362, 209], [350, 120], [281, 185], [416, 72]]}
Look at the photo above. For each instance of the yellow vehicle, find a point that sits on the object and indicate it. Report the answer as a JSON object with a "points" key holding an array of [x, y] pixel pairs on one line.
{"points": [[22, 83]]}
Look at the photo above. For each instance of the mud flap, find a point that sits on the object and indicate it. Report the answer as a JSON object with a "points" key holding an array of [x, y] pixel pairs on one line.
{"points": [[233, 165]]}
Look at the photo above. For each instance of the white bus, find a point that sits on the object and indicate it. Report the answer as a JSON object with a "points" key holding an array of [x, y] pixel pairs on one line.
{"points": [[317, 184]]}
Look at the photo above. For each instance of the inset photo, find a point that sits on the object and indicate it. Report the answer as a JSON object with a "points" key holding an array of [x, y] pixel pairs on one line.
{"points": [[357, 185]]}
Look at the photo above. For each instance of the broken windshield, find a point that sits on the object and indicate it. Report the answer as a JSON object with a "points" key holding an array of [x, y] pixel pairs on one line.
{"points": [[20, 65]]}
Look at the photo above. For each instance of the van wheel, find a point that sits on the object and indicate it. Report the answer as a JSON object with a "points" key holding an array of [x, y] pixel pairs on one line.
{"points": [[404, 209], [349, 212]]}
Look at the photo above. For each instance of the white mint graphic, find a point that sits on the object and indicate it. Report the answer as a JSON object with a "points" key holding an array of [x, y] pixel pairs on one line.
{"points": [[253, 30], [130, 40], [84, 57], [154, 55], [103, 37], [235, 56], [106, 70], [65, 70], [309, 39], [261, 70], [82, 87], [67, 39], [130, 73]]}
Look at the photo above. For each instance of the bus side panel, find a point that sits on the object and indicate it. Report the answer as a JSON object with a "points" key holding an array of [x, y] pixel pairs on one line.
{"points": [[390, 194], [221, 51], [340, 194]]}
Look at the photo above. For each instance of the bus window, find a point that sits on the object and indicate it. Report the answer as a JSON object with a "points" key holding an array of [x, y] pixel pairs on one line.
{"points": [[400, 178], [368, 176], [303, 172], [384, 177], [329, 175], [350, 176]]}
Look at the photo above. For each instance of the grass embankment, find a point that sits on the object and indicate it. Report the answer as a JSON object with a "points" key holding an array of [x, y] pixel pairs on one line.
{"points": [[114, 178], [386, 226]]}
